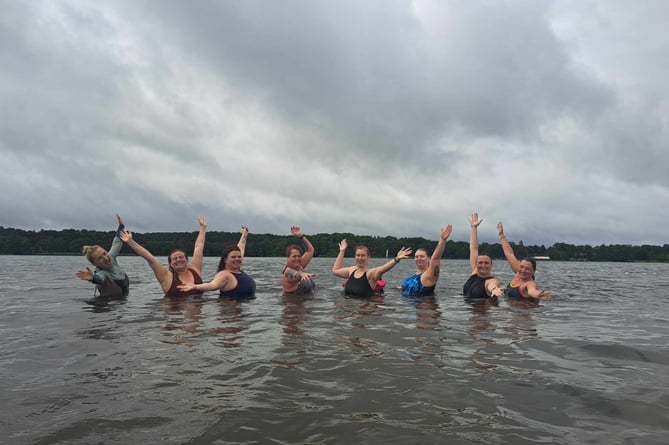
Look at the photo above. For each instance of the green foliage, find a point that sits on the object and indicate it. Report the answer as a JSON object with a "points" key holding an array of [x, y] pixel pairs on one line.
{"points": [[69, 242]]}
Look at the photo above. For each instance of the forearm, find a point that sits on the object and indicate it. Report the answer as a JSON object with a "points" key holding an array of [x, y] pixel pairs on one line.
{"points": [[242, 243], [379, 271], [339, 261]]}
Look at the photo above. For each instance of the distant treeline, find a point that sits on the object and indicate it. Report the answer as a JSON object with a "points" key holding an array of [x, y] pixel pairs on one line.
{"points": [[69, 242]]}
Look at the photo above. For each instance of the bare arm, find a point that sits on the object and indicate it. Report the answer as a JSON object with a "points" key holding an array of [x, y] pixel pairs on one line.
{"points": [[242, 240], [534, 292], [337, 268], [377, 272], [198, 250], [220, 280], [431, 275], [508, 250], [474, 222], [161, 272], [309, 252]]}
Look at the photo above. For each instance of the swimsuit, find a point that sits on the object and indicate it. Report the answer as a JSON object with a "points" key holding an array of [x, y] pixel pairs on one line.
{"points": [[413, 287], [174, 291], [358, 287], [246, 287], [304, 287], [475, 287], [514, 292]]}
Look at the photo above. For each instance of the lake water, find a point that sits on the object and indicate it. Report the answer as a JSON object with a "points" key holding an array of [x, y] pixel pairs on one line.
{"points": [[589, 366]]}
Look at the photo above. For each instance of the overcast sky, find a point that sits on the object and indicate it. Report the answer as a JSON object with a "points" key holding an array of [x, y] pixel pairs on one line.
{"points": [[379, 117]]}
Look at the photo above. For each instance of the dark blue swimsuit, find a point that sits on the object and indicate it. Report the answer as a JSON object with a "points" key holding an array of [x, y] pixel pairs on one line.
{"points": [[246, 287]]}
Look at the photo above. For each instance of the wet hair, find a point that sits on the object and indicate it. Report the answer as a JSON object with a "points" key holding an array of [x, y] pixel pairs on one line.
{"points": [[294, 247], [224, 255], [87, 251], [485, 254], [362, 247], [169, 257], [424, 249], [533, 262]]}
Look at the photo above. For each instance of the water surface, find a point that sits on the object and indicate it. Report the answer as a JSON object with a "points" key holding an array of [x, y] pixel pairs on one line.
{"points": [[590, 366]]}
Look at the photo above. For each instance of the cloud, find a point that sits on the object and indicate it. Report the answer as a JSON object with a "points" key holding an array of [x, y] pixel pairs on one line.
{"points": [[382, 117]]}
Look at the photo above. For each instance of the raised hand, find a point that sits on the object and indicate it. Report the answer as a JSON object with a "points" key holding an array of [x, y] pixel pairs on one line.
{"points": [[343, 245], [295, 230], [86, 275], [474, 221]]}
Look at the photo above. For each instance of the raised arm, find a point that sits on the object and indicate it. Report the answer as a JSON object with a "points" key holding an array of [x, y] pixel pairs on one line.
{"points": [[435, 259], [242, 240], [115, 248], [508, 250], [309, 252], [198, 250], [377, 272], [161, 272], [337, 268], [474, 222]]}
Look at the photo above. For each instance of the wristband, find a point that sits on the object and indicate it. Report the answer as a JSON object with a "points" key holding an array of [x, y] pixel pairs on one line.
{"points": [[397, 260]]}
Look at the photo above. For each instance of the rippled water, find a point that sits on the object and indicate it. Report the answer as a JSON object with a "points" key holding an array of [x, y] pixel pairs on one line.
{"points": [[590, 366]]}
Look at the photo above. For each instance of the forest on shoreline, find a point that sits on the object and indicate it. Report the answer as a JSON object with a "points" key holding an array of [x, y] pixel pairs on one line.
{"points": [[70, 241]]}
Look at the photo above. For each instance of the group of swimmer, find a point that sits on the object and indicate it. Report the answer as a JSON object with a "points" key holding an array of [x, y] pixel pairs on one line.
{"points": [[184, 278]]}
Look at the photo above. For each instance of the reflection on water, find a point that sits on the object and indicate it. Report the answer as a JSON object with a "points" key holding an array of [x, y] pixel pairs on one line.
{"points": [[590, 366]]}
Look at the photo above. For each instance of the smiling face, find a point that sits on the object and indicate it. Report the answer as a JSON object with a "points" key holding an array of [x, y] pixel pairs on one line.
{"points": [[362, 256], [526, 270], [101, 258], [295, 259], [421, 259], [178, 260], [234, 261], [483, 265]]}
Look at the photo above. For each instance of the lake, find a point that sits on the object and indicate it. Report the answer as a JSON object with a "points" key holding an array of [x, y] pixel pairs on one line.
{"points": [[589, 366]]}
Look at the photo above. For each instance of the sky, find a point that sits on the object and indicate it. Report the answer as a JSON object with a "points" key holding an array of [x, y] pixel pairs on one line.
{"points": [[374, 117]]}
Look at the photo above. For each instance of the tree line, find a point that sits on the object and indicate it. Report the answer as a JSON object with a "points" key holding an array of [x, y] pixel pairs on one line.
{"points": [[70, 241]]}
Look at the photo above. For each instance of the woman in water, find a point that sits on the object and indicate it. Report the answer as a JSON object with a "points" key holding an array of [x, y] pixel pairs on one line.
{"points": [[361, 280], [109, 278], [425, 279], [522, 285], [180, 271], [230, 279], [295, 279], [481, 283]]}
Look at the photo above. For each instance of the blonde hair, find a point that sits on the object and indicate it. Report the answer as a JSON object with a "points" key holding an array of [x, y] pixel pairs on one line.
{"points": [[87, 251]]}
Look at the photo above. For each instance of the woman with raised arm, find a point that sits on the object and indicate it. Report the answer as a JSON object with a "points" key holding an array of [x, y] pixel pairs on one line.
{"points": [[481, 283], [295, 279], [179, 270], [522, 285], [230, 279], [109, 278], [425, 279], [361, 280]]}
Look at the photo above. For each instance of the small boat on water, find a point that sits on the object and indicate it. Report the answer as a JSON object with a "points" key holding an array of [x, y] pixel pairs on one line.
{"points": [[542, 258]]}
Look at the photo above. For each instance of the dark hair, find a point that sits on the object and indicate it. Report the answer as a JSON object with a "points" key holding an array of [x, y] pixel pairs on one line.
{"points": [[427, 251], [532, 261], [294, 247], [169, 257], [363, 247], [224, 255], [485, 254]]}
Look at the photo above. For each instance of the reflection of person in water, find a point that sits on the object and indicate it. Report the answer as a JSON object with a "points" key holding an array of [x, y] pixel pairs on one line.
{"points": [[295, 279], [109, 278]]}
